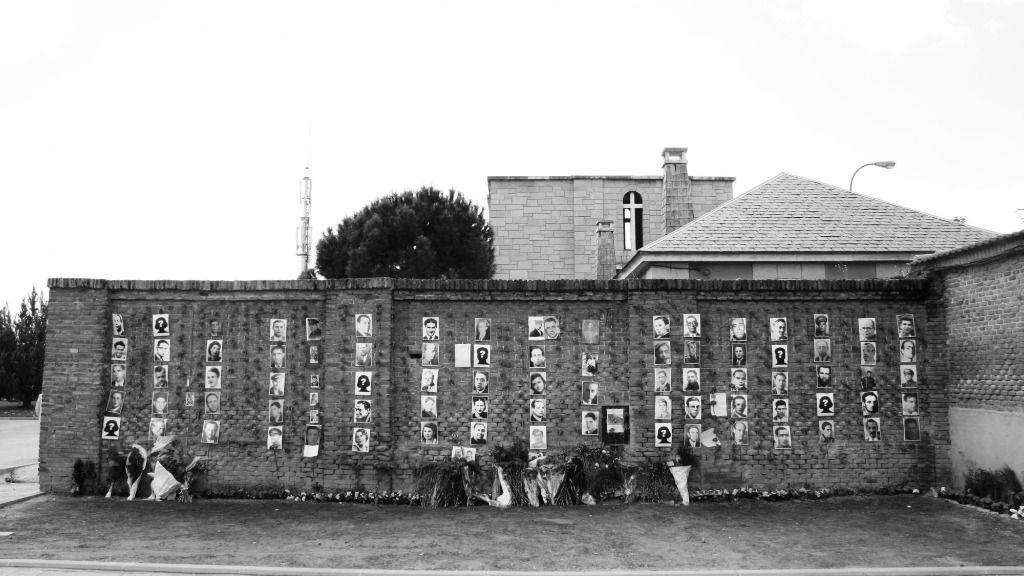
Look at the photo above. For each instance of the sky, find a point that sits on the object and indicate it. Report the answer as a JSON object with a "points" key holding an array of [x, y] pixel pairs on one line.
{"points": [[166, 140]]}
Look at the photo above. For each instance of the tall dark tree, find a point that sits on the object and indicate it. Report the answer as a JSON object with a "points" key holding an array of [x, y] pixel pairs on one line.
{"points": [[22, 350], [422, 234]]}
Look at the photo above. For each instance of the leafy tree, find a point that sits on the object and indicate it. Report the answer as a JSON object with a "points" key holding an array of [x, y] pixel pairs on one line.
{"points": [[423, 234], [22, 350]]}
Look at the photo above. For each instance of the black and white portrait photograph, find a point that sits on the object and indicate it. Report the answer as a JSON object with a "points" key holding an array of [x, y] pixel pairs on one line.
{"points": [[908, 376], [478, 433], [538, 383], [908, 351], [313, 330], [825, 404], [737, 406], [314, 399], [162, 350], [780, 410], [361, 440], [469, 454], [278, 330], [866, 329], [161, 325], [552, 328], [275, 412], [275, 436], [662, 326], [905, 326], [780, 383], [277, 357], [869, 403], [190, 399], [157, 428], [691, 380], [428, 433], [111, 428], [214, 328], [908, 400], [662, 408], [312, 436], [212, 377], [778, 329], [826, 431], [118, 324], [277, 381], [738, 379], [478, 409], [119, 349], [362, 411], [691, 352], [431, 355], [115, 401], [873, 429], [868, 354], [536, 358], [538, 409], [118, 375], [480, 382], [212, 402], [589, 365], [662, 435], [314, 380], [457, 453], [431, 324], [780, 356], [691, 326], [590, 328], [313, 354], [823, 376], [535, 326], [740, 432], [159, 403], [590, 423], [822, 350], [538, 438], [691, 436], [481, 355], [364, 325], [364, 384], [662, 379], [428, 380], [821, 326], [482, 329], [783, 439], [211, 432], [314, 416], [662, 354], [691, 408], [428, 407], [738, 355], [590, 393], [364, 354], [213, 350], [738, 330], [867, 377], [912, 429]]}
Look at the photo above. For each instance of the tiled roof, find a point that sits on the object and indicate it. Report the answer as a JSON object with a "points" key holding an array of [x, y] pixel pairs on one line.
{"points": [[793, 214]]}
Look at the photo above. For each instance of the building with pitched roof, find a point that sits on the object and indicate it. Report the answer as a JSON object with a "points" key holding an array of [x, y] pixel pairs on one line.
{"points": [[791, 227]]}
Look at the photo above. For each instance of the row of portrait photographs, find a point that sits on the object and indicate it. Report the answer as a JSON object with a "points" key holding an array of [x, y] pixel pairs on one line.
{"points": [[663, 408], [692, 435], [544, 328], [279, 329], [464, 453], [662, 325]]}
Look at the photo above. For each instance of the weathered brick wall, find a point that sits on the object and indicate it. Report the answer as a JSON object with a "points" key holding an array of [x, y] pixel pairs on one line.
{"points": [[80, 317]]}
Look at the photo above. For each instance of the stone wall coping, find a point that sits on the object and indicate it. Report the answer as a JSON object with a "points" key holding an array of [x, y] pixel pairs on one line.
{"points": [[976, 253], [901, 285]]}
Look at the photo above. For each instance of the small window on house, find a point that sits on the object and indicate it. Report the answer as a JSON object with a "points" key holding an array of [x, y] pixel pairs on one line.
{"points": [[632, 221]]}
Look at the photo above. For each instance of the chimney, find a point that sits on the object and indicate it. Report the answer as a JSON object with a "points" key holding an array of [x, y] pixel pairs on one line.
{"points": [[677, 201], [605, 251]]}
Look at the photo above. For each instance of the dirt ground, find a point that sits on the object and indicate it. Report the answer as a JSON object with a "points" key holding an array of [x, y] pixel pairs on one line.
{"points": [[854, 531]]}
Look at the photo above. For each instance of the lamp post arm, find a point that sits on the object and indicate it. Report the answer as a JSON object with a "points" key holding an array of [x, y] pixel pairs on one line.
{"points": [[855, 174]]}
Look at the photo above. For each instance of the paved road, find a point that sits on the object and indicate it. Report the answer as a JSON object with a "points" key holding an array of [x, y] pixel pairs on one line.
{"points": [[19, 442]]}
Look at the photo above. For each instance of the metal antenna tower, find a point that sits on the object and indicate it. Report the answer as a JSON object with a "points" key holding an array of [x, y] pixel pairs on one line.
{"points": [[303, 234]]}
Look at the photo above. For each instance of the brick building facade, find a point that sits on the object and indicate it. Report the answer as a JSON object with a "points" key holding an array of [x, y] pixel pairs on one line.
{"points": [[77, 378]]}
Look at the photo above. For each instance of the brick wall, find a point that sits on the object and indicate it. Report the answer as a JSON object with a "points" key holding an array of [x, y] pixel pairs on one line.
{"points": [[80, 319]]}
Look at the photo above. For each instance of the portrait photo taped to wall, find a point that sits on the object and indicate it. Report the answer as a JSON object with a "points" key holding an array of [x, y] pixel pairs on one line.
{"points": [[866, 331], [118, 375], [275, 412], [740, 432], [826, 431], [662, 408], [213, 350], [691, 408], [662, 379], [481, 355], [908, 376], [431, 326], [538, 438], [868, 353], [314, 380], [117, 324], [662, 354], [590, 393], [691, 380], [364, 354], [480, 382], [159, 403], [591, 330], [313, 330], [536, 358], [115, 401], [552, 328], [738, 330], [821, 328], [873, 429], [431, 355], [361, 440], [212, 402], [662, 326], [119, 349], [277, 357], [538, 409], [662, 435], [823, 376], [111, 428], [780, 383], [478, 433], [912, 429], [538, 383], [737, 406], [428, 407], [905, 326], [691, 326], [428, 433], [362, 411], [161, 325], [535, 327], [588, 364], [822, 350], [908, 351], [428, 380], [783, 437], [274, 437], [908, 402], [212, 377], [278, 330], [691, 436], [482, 329], [478, 408], [780, 356], [590, 423], [738, 379], [825, 404], [691, 352], [778, 329], [363, 325], [162, 350], [739, 355], [363, 383], [277, 381], [157, 428], [211, 432]]}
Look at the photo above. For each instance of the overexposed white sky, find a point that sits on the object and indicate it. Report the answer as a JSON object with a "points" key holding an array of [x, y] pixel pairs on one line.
{"points": [[167, 139]]}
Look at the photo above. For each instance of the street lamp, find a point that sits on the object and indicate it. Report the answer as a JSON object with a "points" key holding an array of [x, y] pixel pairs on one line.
{"points": [[887, 164]]}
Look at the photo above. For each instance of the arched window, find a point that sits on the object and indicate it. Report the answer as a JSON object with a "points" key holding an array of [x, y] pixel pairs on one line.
{"points": [[632, 221]]}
